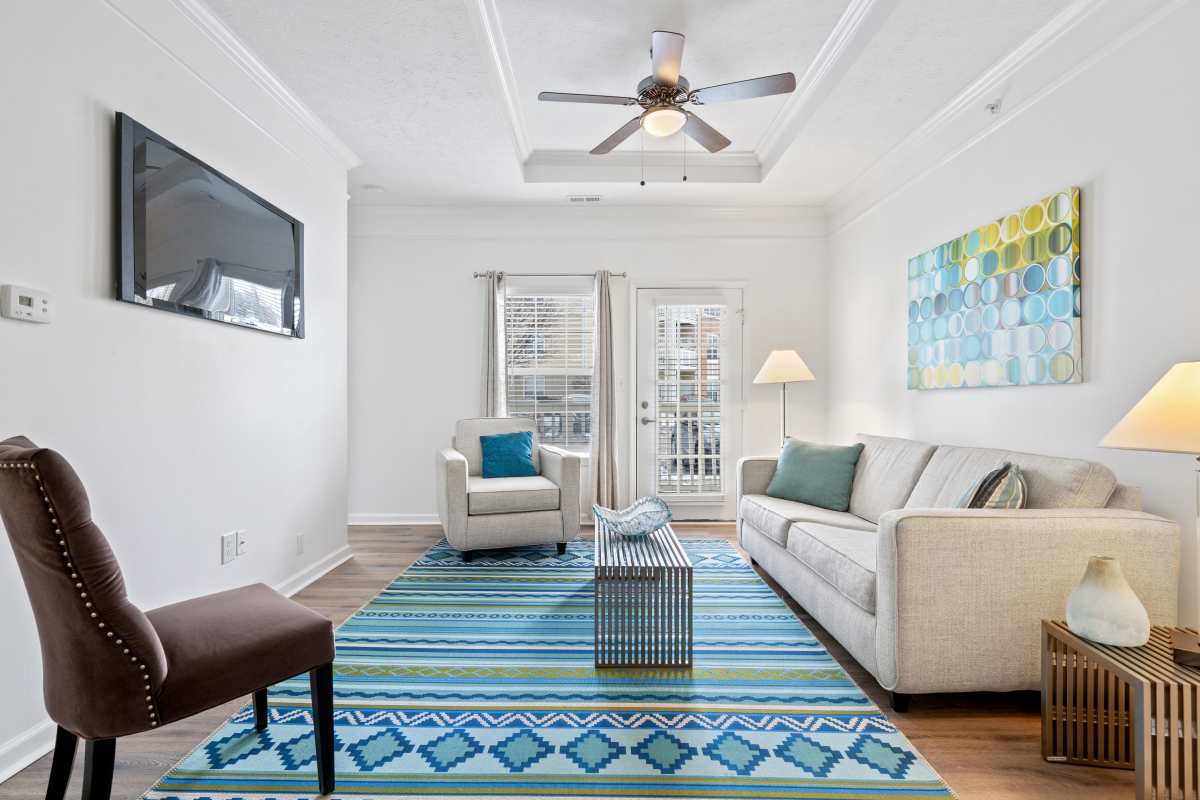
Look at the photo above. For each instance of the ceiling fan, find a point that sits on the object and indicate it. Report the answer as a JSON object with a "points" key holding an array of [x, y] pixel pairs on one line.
{"points": [[663, 94]]}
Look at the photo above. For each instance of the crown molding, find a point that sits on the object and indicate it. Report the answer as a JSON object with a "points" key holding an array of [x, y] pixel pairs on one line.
{"points": [[848, 39], [1097, 28], [202, 17], [529, 222], [486, 19], [563, 166]]}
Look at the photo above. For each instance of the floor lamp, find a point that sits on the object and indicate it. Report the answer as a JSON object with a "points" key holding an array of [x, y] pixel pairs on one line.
{"points": [[783, 367], [1167, 420]]}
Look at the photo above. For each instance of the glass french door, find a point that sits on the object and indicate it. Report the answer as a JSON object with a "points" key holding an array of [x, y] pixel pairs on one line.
{"points": [[689, 398]]}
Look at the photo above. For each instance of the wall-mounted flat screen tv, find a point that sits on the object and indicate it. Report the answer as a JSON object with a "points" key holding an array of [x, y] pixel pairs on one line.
{"points": [[193, 241]]}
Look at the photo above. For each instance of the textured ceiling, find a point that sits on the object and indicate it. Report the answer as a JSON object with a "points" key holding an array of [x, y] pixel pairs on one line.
{"points": [[410, 85]]}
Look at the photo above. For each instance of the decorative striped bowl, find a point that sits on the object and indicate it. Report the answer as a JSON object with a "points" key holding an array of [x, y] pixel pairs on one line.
{"points": [[643, 518]]}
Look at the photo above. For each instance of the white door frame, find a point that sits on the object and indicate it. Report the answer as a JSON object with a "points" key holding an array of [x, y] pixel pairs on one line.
{"points": [[737, 441]]}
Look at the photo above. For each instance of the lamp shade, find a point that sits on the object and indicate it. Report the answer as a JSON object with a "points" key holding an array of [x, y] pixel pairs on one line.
{"points": [[784, 366], [1167, 419]]}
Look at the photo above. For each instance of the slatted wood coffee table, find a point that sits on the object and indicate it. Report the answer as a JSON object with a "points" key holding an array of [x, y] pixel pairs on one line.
{"points": [[1125, 707], [643, 603]]}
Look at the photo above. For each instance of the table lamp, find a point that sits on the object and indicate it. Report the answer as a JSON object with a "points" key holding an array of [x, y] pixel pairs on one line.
{"points": [[1167, 420], [783, 367]]}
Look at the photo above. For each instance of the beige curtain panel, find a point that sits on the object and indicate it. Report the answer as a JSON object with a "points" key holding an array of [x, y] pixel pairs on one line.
{"points": [[604, 421], [492, 404]]}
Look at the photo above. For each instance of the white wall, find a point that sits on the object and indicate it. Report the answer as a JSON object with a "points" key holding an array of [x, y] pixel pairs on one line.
{"points": [[1125, 131], [416, 331], [180, 428]]}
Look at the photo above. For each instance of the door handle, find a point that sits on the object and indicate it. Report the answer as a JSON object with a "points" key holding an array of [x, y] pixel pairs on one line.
{"points": [[646, 421]]}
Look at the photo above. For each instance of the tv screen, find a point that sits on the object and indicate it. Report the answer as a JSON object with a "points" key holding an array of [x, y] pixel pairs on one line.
{"points": [[195, 242]]}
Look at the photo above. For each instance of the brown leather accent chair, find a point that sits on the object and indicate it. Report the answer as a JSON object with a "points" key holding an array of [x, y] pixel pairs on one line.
{"points": [[110, 670]]}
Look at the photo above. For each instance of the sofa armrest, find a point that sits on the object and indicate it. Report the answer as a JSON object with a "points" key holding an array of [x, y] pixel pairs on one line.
{"points": [[960, 593], [451, 468], [563, 469], [754, 474]]}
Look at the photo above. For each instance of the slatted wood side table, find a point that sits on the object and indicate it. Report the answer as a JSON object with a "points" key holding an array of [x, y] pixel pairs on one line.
{"points": [[643, 591], [1124, 707]]}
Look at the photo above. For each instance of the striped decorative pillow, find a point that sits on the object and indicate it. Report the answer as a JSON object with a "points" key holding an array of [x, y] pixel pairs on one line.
{"points": [[1003, 487]]}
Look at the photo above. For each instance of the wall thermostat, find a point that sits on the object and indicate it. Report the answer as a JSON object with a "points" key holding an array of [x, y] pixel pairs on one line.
{"points": [[30, 305]]}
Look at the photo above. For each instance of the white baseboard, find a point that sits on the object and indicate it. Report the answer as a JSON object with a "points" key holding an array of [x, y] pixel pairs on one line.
{"points": [[392, 519], [294, 583], [25, 748]]}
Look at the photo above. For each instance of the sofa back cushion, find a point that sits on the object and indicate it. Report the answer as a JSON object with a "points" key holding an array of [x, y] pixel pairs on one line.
{"points": [[468, 431], [887, 471], [1052, 482]]}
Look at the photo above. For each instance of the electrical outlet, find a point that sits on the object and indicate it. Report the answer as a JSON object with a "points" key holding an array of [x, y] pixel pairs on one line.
{"points": [[228, 547], [299, 544], [240, 536]]}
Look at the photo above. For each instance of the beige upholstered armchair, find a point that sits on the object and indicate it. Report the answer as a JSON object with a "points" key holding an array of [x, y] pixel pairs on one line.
{"points": [[480, 513]]}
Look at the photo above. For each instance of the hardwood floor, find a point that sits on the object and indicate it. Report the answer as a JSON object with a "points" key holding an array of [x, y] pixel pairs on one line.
{"points": [[986, 746]]}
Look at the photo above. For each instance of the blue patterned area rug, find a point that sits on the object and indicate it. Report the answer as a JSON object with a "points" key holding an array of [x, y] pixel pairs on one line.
{"points": [[477, 680]]}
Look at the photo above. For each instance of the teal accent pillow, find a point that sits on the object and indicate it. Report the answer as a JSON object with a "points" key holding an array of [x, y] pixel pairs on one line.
{"points": [[508, 455], [816, 474]]}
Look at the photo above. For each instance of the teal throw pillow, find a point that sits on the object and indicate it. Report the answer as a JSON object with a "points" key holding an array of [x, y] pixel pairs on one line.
{"points": [[1003, 487], [816, 474], [508, 455]]}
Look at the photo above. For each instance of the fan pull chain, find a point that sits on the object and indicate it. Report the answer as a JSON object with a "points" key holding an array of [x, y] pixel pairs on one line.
{"points": [[643, 141], [684, 139]]}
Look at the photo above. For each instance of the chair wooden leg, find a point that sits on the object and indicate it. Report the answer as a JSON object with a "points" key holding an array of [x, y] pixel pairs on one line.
{"points": [[321, 683], [260, 710], [467, 555], [98, 758], [562, 548], [900, 702], [60, 766]]}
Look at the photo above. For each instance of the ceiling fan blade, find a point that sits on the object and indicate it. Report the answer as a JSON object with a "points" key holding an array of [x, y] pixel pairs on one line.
{"points": [[604, 99], [623, 133], [782, 83], [708, 136], [666, 56]]}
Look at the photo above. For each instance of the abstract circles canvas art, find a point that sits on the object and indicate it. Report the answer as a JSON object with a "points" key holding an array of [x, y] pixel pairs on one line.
{"points": [[999, 305]]}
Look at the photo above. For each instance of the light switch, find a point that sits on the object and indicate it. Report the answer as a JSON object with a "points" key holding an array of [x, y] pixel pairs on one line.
{"points": [[23, 303]]}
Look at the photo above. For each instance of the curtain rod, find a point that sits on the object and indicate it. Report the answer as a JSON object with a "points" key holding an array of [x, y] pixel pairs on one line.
{"points": [[552, 274]]}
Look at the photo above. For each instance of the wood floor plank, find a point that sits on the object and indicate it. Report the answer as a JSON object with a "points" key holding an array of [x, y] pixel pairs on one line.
{"points": [[986, 746]]}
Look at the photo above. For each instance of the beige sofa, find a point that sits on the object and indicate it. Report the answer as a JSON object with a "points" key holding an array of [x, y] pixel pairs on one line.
{"points": [[928, 597], [480, 513]]}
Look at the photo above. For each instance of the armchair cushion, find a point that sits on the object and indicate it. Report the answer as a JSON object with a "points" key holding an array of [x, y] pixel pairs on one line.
{"points": [[511, 495], [233, 643]]}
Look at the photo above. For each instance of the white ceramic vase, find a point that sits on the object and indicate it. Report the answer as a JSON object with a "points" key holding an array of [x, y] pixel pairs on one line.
{"points": [[1105, 609]]}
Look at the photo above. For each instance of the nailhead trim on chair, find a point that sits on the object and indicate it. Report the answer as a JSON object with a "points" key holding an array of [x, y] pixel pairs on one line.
{"points": [[100, 625]]}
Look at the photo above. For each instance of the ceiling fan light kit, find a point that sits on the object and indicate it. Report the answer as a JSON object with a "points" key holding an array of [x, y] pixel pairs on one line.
{"points": [[664, 92], [663, 120]]}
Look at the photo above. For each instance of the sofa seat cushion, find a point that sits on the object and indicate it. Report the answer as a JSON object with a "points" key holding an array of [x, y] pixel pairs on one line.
{"points": [[1052, 482], [844, 557], [773, 516], [510, 495]]}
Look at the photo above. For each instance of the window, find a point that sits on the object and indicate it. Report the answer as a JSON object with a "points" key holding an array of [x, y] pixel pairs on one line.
{"points": [[688, 442], [548, 365]]}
